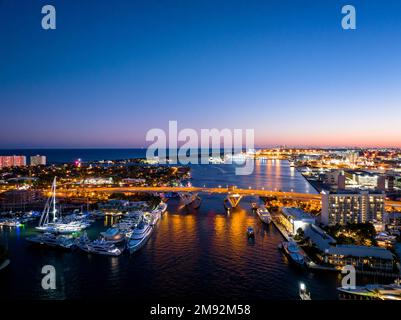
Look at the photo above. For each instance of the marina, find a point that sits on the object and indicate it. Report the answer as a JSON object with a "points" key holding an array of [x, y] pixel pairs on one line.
{"points": [[147, 232]]}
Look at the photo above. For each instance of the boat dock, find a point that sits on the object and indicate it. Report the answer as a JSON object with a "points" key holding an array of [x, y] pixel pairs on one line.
{"points": [[280, 228]]}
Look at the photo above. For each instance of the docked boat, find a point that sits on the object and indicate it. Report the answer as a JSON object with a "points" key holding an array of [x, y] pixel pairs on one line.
{"points": [[134, 216], [250, 232], [155, 216], [97, 214], [125, 224], [170, 195], [162, 207], [30, 216], [102, 246], [139, 236], [157, 213], [372, 292], [264, 215], [113, 235], [304, 294], [63, 228], [53, 240], [13, 222], [51, 222], [293, 251]]}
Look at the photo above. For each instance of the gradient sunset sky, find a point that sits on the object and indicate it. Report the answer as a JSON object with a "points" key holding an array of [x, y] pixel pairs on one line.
{"points": [[115, 69]]}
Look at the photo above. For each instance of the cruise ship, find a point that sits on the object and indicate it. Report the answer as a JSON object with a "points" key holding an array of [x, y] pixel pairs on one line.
{"points": [[372, 292], [139, 236], [264, 215]]}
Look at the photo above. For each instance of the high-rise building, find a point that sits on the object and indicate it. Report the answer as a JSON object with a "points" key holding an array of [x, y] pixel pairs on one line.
{"points": [[381, 183], [12, 161], [341, 182], [353, 207], [390, 183], [38, 160]]}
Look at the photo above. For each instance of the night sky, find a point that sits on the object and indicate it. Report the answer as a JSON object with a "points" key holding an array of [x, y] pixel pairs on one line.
{"points": [[114, 69]]}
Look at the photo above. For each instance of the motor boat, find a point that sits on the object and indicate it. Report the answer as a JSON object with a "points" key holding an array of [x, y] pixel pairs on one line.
{"points": [[113, 235], [101, 246], [13, 222], [293, 251], [264, 215], [53, 240], [372, 291], [250, 232], [162, 207]]}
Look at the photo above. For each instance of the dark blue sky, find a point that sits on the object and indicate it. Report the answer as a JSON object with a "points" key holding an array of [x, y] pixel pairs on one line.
{"points": [[114, 69]]}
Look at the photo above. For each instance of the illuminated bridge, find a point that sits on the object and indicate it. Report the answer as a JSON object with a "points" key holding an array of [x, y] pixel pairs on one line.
{"points": [[188, 194]]}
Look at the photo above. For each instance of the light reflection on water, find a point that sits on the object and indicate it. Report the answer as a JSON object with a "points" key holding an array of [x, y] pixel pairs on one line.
{"points": [[193, 254]]}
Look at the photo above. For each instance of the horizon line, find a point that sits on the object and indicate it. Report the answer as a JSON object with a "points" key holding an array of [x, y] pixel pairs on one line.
{"points": [[243, 147]]}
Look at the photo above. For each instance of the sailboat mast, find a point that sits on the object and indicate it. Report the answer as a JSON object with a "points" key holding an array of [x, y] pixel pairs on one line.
{"points": [[54, 200]]}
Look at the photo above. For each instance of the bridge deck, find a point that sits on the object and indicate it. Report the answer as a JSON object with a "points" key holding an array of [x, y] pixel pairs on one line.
{"points": [[243, 192]]}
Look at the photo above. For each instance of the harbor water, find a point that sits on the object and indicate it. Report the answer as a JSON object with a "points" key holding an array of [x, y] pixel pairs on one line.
{"points": [[193, 254]]}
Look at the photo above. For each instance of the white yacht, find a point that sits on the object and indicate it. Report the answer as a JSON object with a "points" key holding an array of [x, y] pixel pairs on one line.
{"points": [[51, 222], [52, 240], [373, 291], [264, 215], [113, 235], [162, 207], [98, 246], [135, 216], [293, 251], [139, 236], [157, 213], [12, 222]]}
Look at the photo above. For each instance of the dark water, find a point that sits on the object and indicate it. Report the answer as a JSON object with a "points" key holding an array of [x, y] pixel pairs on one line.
{"points": [[193, 254]]}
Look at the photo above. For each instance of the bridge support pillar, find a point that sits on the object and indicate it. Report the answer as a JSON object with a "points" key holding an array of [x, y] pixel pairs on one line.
{"points": [[234, 199], [188, 197]]}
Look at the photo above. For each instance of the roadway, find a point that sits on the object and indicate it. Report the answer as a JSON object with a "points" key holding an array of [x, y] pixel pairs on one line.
{"points": [[243, 192]]}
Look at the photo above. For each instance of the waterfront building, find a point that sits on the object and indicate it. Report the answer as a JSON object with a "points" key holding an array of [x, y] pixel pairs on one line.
{"points": [[12, 161], [19, 199], [331, 177], [38, 160], [341, 182], [317, 236], [361, 257], [293, 218], [352, 207], [390, 182], [97, 181]]}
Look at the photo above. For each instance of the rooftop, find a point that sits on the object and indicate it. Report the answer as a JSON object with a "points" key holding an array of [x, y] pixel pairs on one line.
{"points": [[296, 213], [354, 192], [361, 251]]}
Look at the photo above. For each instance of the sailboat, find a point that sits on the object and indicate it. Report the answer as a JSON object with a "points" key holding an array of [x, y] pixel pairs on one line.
{"points": [[49, 220]]}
